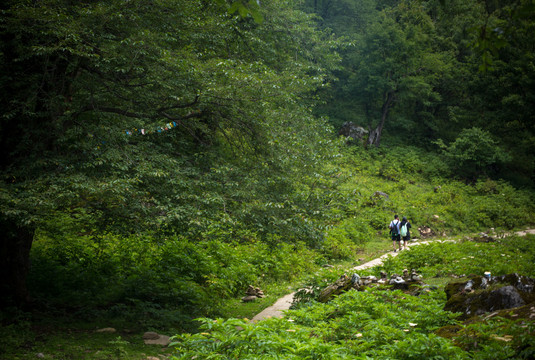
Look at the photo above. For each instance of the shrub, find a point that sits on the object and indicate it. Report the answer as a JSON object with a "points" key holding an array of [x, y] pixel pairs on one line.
{"points": [[473, 153]]}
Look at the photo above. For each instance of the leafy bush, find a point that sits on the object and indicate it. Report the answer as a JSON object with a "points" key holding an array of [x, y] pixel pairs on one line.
{"points": [[152, 279], [473, 153], [354, 325], [342, 240]]}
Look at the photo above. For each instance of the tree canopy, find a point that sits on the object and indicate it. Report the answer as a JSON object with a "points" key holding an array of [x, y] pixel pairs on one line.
{"points": [[143, 116], [427, 70]]}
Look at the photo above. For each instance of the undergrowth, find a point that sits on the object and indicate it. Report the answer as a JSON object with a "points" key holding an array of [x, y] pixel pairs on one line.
{"points": [[379, 323], [163, 281]]}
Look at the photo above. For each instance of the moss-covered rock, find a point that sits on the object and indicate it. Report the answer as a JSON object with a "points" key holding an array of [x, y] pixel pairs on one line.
{"points": [[478, 295], [474, 334]]}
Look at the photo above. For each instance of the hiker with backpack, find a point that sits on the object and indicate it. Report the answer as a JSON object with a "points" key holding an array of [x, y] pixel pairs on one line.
{"points": [[404, 232], [394, 232]]}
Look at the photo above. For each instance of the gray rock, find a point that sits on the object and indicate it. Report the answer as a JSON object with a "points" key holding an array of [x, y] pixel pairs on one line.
{"points": [[150, 335], [163, 340], [107, 330], [396, 280], [506, 297], [153, 338], [478, 295], [350, 130], [380, 194]]}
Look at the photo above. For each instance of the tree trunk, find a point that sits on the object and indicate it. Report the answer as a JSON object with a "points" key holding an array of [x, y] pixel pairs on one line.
{"points": [[375, 135], [15, 244]]}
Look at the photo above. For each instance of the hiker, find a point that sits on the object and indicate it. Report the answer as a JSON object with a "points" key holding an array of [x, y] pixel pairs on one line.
{"points": [[394, 232], [404, 231]]}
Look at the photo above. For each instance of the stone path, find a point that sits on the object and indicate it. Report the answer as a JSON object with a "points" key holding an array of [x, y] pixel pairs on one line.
{"points": [[283, 304], [525, 232], [277, 309]]}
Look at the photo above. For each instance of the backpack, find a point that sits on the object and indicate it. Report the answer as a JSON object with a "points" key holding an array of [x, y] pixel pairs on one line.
{"points": [[404, 230], [394, 227]]}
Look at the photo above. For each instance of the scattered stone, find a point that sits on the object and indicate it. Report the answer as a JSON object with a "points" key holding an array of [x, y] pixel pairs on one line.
{"points": [[150, 335], [248, 298], [426, 232], [383, 279], [341, 285], [378, 194], [411, 284], [106, 330], [328, 266], [252, 293], [396, 280], [483, 237], [415, 276], [153, 338], [40, 355], [383, 275]]}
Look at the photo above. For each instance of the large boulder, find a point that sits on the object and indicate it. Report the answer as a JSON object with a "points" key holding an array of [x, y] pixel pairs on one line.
{"points": [[350, 130], [478, 295]]}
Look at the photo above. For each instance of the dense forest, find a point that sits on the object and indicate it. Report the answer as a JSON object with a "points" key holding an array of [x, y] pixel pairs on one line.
{"points": [[158, 156]]}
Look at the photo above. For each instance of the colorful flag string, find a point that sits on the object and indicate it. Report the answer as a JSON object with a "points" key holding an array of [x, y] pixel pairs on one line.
{"points": [[159, 129]]}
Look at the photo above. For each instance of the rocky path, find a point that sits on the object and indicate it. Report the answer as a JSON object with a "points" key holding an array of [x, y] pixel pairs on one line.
{"points": [[283, 304], [277, 309]]}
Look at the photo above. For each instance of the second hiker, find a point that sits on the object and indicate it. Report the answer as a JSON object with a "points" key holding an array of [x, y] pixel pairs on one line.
{"points": [[404, 231]]}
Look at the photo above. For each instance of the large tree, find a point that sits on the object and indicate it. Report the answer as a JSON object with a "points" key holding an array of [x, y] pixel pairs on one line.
{"points": [[117, 114], [397, 66]]}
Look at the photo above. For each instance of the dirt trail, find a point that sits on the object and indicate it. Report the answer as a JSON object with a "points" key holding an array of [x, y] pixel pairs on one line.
{"points": [[277, 309], [283, 304]]}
